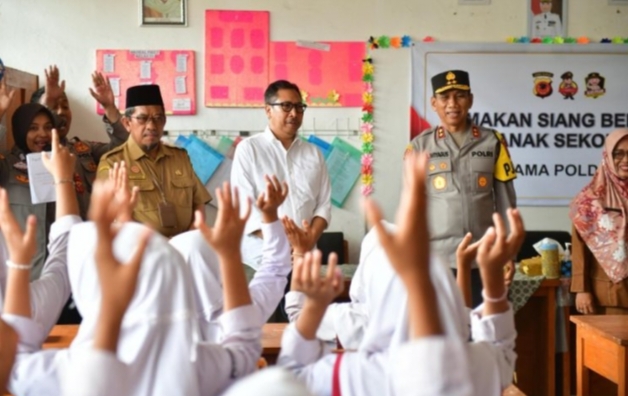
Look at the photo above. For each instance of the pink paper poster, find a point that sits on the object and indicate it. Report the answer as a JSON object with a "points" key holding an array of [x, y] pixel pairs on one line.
{"points": [[173, 71]]}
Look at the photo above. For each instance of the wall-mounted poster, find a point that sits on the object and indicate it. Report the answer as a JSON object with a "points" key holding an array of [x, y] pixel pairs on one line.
{"points": [[173, 71]]}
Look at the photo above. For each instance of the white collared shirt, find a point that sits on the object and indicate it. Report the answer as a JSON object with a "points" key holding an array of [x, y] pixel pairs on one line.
{"points": [[302, 166]]}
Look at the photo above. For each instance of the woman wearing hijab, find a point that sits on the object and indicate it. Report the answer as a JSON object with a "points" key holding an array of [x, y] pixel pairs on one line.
{"points": [[599, 217]]}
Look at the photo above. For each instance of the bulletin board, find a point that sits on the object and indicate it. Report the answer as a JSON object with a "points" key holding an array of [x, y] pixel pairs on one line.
{"points": [[173, 71], [240, 62]]}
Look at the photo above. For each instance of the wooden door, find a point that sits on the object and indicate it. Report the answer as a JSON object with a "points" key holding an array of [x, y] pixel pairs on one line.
{"points": [[25, 84]]}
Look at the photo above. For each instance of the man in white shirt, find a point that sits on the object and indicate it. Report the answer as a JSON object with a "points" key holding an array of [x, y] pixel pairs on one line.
{"points": [[546, 23], [279, 151]]}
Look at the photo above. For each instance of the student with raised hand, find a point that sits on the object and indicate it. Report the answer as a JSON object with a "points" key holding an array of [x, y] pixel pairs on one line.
{"points": [[269, 282], [97, 371]]}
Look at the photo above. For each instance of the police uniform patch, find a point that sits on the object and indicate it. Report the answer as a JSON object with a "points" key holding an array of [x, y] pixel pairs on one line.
{"points": [[81, 147], [432, 167], [482, 181], [20, 165], [440, 133], [178, 172], [21, 178], [475, 132], [442, 165], [504, 168], [439, 182], [135, 169]]}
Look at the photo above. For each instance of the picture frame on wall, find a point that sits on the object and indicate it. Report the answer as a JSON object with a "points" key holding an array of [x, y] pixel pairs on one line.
{"points": [[547, 18], [163, 12]]}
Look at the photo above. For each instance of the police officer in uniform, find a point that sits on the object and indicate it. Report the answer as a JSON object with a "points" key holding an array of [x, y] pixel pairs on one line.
{"points": [[470, 171], [87, 153], [169, 190], [546, 23]]}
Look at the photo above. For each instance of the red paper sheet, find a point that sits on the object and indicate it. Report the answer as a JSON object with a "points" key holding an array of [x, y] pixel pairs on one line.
{"points": [[173, 71]]}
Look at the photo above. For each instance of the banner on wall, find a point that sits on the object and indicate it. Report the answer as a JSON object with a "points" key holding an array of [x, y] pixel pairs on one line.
{"points": [[554, 104]]}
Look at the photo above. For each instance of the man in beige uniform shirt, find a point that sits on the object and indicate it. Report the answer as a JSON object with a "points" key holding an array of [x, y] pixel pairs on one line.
{"points": [[169, 190], [470, 172]]}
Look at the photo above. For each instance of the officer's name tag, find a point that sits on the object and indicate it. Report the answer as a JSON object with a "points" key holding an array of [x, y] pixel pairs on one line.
{"points": [[167, 215]]}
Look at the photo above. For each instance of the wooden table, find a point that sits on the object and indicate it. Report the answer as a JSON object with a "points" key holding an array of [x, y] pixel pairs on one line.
{"points": [[536, 341], [601, 342]]}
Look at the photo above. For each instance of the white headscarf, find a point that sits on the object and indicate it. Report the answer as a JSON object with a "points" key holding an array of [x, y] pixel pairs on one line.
{"points": [[208, 292], [272, 381], [388, 322], [159, 331]]}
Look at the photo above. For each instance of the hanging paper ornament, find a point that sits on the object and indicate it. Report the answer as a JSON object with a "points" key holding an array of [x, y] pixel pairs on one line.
{"points": [[367, 190], [366, 127], [367, 108], [368, 87], [367, 78], [428, 39], [367, 117], [367, 68], [367, 180], [618, 40], [367, 137], [524, 40], [367, 98], [333, 96], [536, 40], [583, 40], [558, 40], [367, 148], [395, 42], [511, 40], [373, 44], [570, 40], [548, 40], [605, 41], [367, 160], [406, 41], [367, 170], [383, 41]]}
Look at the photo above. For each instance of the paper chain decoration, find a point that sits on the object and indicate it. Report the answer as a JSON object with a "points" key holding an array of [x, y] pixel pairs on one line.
{"points": [[366, 129], [564, 40]]}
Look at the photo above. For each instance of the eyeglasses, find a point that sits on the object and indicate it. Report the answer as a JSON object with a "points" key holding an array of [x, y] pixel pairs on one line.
{"points": [[142, 119], [288, 106], [619, 155]]}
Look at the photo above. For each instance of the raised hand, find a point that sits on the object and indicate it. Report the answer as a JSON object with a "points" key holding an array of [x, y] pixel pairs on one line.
{"points": [[22, 245], [272, 198], [300, 238], [117, 280], [408, 248], [6, 97], [125, 196], [226, 234], [465, 254], [61, 163], [497, 247], [54, 87], [102, 91]]}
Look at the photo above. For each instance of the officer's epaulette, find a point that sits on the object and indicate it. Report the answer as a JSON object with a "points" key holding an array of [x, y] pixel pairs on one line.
{"points": [[112, 151]]}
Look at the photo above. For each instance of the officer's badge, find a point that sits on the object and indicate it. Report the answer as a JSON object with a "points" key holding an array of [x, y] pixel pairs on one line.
{"points": [[439, 182], [178, 172], [21, 165], [443, 165], [21, 178], [440, 133], [482, 181], [135, 169], [542, 84], [432, 167], [475, 131], [81, 147]]}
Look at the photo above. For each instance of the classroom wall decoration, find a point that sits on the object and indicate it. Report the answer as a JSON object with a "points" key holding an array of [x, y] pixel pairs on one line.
{"points": [[173, 71], [554, 105], [240, 61]]}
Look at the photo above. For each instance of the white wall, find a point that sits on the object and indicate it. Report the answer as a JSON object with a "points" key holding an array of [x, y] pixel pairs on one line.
{"points": [[35, 33]]}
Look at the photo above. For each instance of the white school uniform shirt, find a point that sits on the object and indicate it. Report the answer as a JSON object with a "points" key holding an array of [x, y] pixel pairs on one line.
{"points": [[487, 364], [51, 290], [159, 338], [348, 320], [302, 167], [546, 24], [266, 287]]}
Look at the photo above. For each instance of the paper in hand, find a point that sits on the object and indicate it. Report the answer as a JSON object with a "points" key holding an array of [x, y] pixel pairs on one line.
{"points": [[42, 184]]}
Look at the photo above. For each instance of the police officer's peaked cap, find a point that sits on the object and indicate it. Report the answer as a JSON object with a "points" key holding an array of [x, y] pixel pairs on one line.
{"points": [[144, 95], [451, 79], [567, 75]]}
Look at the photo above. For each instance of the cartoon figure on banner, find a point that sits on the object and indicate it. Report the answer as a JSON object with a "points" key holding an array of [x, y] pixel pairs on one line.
{"points": [[594, 84], [543, 84], [568, 87]]}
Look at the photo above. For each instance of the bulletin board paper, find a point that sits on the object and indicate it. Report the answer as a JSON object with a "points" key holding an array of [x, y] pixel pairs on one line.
{"points": [[173, 71], [328, 78], [236, 58]]}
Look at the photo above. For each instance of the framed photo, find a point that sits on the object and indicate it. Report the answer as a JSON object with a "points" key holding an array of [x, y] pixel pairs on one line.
{"points": [[163, 12], [547, 18]]}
